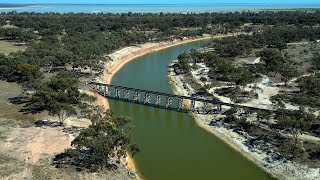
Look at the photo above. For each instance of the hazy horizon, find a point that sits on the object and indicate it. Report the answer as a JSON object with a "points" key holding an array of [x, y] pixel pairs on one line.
{"points": [[173, 7], [153, 3], [156, 2]]}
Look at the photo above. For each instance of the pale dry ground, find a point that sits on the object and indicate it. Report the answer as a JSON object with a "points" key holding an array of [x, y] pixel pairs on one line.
{"points": [[120, 57], [290, 171], [282, 170], [26, 151], [7, 47], [32, 148], [9, 26]]}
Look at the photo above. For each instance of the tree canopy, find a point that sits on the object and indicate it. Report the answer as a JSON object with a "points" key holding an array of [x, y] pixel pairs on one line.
{"points": [[101, 146]]}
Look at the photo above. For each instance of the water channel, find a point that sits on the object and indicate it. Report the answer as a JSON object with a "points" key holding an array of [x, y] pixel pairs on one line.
{"points": [[172, 145]]}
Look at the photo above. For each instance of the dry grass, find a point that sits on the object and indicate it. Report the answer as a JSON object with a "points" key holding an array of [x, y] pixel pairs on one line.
{"points": [[7, 47], [303, 53], [17, 132], [9, 110]]}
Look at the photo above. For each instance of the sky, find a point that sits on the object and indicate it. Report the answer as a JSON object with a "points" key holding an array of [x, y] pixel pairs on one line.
{"points": [[153, 1]]}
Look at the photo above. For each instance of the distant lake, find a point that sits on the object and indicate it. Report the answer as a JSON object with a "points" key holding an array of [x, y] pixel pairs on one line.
{"points": [[144, 8]]}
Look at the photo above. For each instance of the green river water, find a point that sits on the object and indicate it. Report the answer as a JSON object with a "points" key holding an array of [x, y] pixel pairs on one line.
{"points": [[172, 145]]}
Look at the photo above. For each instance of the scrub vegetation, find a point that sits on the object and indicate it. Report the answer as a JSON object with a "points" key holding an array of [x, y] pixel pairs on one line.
{"points": [[286, 58], [60, 51]]}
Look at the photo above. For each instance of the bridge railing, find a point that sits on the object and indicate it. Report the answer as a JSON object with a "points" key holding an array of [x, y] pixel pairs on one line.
{"points": [[105, 90]]}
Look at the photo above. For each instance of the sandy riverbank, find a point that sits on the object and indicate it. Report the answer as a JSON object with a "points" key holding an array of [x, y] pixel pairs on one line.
{"points": [[120, 57], [277, 168]]}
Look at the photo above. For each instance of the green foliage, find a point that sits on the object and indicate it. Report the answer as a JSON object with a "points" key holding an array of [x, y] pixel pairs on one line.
{"points": [[233, 46], [210, 58], [273, 59], [277, 63], [296, 122], [275, 37], [100, 146], [183, 61], [263, 115], [289, 71], [134, 149], [62, 110], [57, 96], [316, 61], [29, 72], [278, 101], [309, 92], [226, 71], [308, 96]]}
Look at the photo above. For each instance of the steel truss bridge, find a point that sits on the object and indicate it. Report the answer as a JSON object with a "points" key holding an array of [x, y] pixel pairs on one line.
{"points": [[153, 98]]}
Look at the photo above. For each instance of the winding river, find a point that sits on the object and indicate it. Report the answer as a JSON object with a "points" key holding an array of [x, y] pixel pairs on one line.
{"points": [[172, 145]]}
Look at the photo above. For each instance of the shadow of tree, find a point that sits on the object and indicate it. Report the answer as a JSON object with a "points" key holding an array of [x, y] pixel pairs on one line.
{"points": [[19, 100], [80, 160], [27, 105], [46, 123]]}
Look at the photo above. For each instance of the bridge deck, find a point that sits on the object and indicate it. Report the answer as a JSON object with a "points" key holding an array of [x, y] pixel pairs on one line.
{"points": [[181, 97]]}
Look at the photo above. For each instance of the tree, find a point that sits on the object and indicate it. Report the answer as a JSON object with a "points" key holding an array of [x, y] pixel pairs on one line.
{"points": [[58, 97], [316, 61], [273, 59], [281, 45], [29, 72], [183, 61], [27, 36], [101, 146], [297, 122], [262, 115], [245, 77], [183, 56], [134, 149], [278, 101], [289, 70], [62, 110], [87, 98]]}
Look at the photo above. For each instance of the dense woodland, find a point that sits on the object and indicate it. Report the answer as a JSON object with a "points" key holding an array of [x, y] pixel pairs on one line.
{"points": [[63, 48], [80, 40]]}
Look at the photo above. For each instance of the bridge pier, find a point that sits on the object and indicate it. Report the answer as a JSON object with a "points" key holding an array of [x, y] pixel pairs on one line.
{"points": [[157, 101], [219, 108], [104, 90], [168, 102], [192, 105], [180, 101], [146, 99], [126, 95], [206, 108], [136, 96], [107, 92], [117, 93]]}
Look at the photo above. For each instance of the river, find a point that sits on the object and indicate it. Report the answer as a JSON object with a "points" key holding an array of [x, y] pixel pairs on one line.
{"points": [[172, 145]]}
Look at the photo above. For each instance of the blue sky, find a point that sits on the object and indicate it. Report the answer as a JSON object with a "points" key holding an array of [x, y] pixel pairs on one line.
{"points": [[154, 1]]}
